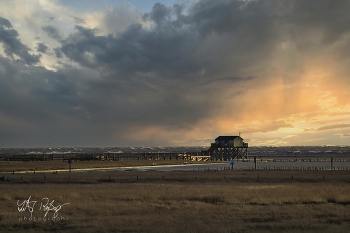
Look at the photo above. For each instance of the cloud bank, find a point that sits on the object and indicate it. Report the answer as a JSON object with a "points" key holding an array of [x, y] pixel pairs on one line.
{"points": [[277, 71]]}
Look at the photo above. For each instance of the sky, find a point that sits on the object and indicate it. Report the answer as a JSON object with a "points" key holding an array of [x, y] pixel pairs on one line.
{"points": [[174, 72]]}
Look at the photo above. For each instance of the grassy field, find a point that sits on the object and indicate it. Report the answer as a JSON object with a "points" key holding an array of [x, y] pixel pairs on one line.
{"points": [[191, 201]]}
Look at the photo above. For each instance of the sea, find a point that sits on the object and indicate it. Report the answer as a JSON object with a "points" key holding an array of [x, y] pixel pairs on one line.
{"points": [[263, 151]]}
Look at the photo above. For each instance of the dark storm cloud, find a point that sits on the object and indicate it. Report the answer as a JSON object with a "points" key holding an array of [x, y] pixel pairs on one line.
{"points": [[13, 46], [5, 23], [144, 67], [182, 44], [180, 69], [167, 68], [330, 16], [58, 52], [136, 49], [159, 13], [37, 83], [39, 106], [53, 32], [41, 47]]}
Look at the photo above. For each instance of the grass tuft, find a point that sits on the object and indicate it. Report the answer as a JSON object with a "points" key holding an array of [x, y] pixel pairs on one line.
{"points": [[209, 200]]}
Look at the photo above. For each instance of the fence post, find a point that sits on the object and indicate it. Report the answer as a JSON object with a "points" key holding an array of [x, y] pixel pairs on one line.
{"points": [[255, 162], [332, 163]]}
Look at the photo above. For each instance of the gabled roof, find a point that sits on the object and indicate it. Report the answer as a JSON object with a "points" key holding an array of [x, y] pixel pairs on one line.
{"points": [[227, 138]]}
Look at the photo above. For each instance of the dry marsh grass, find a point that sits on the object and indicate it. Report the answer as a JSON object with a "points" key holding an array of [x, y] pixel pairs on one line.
{"points": [[206, 201]]}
